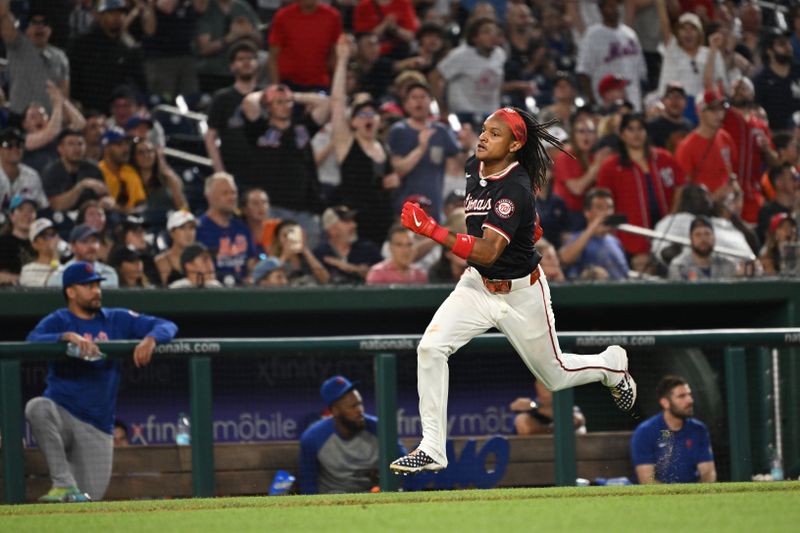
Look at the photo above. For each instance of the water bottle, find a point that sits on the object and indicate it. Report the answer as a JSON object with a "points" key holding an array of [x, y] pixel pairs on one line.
{"points": [[182, 435], [73, 350]]}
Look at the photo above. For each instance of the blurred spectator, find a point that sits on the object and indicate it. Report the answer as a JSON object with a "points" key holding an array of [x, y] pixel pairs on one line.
{"points": [[291, 248], [268, 273], [708, 155], [753, 146], [730, 210], [448, 269], [469, 80], [431, 47], [127, 113], [130, 268], [551, 265], [643, 181], [685, 56], [787, 150], [130, 234], [164, 189], [373, 71], [696, 200], [123, 182], [672, 446], [786, 184], [556, 37], [398, 268], [366, 171], [198, 268], [16, 178], [575, 171], [84, 242], [120, 434], [93, 135], [44, 241], [283, 148], [101, 59], [182, 228], [41, 129], [565, 89], [81, 18], [535, 415], [300, 58], [71, 180], [608, 127], [223, 24], [93, 213], [340, 453], [777, 81], [671, 126], [775, 257], [418, 148], [611, 47], [526, 54], [169, 65], [32, 60], [393, 21], [700, 262], [254, 206], [226, 236], [225, 139], [346, 257], [15, 246], [642, 16], [596, 246], [611, 89]]}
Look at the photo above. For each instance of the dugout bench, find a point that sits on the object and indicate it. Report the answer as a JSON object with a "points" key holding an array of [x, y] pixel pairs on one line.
{"points": [[145, 472]]}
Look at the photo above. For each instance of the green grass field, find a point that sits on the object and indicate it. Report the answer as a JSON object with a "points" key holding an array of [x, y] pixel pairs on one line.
{"points": [[725, 507]]}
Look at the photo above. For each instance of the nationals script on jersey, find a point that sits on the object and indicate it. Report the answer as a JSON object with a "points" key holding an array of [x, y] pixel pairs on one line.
{"points": [[504, 203]]}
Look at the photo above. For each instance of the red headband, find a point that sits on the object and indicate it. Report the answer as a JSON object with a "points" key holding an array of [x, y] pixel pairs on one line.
{"points": [[515, 122]]}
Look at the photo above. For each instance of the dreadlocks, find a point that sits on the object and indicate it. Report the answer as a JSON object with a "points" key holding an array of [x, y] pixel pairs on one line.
{"points": [[533, 154]]}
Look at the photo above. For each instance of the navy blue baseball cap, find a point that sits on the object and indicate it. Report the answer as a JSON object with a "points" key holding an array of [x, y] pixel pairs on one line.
{"points": [[334, 388], [112, 136], [81, 232], [80, 273]]}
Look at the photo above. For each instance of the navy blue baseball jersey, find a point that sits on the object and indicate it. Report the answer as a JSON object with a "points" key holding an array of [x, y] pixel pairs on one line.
{"points": [[504, 203]]}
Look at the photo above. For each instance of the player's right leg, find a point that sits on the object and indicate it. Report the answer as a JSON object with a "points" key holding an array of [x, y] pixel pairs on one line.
{"points": [[465, 314], [91, 457], [53, 437]]}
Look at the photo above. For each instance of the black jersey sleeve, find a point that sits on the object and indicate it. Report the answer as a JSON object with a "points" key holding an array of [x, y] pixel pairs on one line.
{"points": [[511, 208]]}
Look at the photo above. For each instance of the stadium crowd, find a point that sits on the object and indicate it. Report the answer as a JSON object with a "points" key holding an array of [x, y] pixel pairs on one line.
{"points": [[680, 117]]}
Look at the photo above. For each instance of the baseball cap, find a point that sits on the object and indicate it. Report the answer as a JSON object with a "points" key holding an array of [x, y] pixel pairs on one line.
{"points": [[192, 252], [113, 135], [691, 18], [264, 267], [778, 218], [80, 273], [66, 132], [710, 98], [38, 226], [178, 219], [332, 215], [11, 137], [81, 232], [701, 220], [334, 388], [136, 120], [610, 82], [563, 75], [18, 200], [131, 222], [674, 86], [112, 5]]}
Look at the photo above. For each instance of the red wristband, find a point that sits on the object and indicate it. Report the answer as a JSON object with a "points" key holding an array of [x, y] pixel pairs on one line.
{"points": [[463, 246], [439, 234]]}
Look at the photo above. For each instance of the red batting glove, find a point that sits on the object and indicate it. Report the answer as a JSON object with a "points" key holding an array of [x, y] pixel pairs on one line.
{"points": [[417, 220]]}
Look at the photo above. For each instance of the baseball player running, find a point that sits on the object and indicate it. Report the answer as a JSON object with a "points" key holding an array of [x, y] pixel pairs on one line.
{"points": [[504, 287]]}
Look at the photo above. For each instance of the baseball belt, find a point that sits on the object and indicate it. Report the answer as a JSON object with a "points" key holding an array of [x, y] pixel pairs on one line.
{"points": [[505, 286]]}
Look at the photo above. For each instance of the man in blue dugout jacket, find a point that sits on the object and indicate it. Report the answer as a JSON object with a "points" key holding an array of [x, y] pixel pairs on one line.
{"points": [[673, 446], [73, 421], [340, 453]]}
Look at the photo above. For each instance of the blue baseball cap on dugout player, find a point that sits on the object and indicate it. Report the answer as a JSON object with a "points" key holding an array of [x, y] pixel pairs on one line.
{"points": [[334, 388], [80, 273]]}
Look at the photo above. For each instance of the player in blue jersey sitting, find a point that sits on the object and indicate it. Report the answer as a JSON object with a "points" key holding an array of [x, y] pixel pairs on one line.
{"points": [[672, 446], [340, 453], [73, 421]]}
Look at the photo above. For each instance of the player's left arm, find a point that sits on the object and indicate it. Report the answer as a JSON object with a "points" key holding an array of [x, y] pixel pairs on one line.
{"points": [[708, 472], [152, 330]]}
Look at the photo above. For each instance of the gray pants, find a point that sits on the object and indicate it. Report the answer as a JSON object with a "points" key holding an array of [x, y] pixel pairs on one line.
{"points": [[78, 454]]}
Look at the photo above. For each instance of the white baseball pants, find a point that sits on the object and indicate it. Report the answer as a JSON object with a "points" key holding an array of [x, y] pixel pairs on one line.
{"points": [[525, 317]]}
